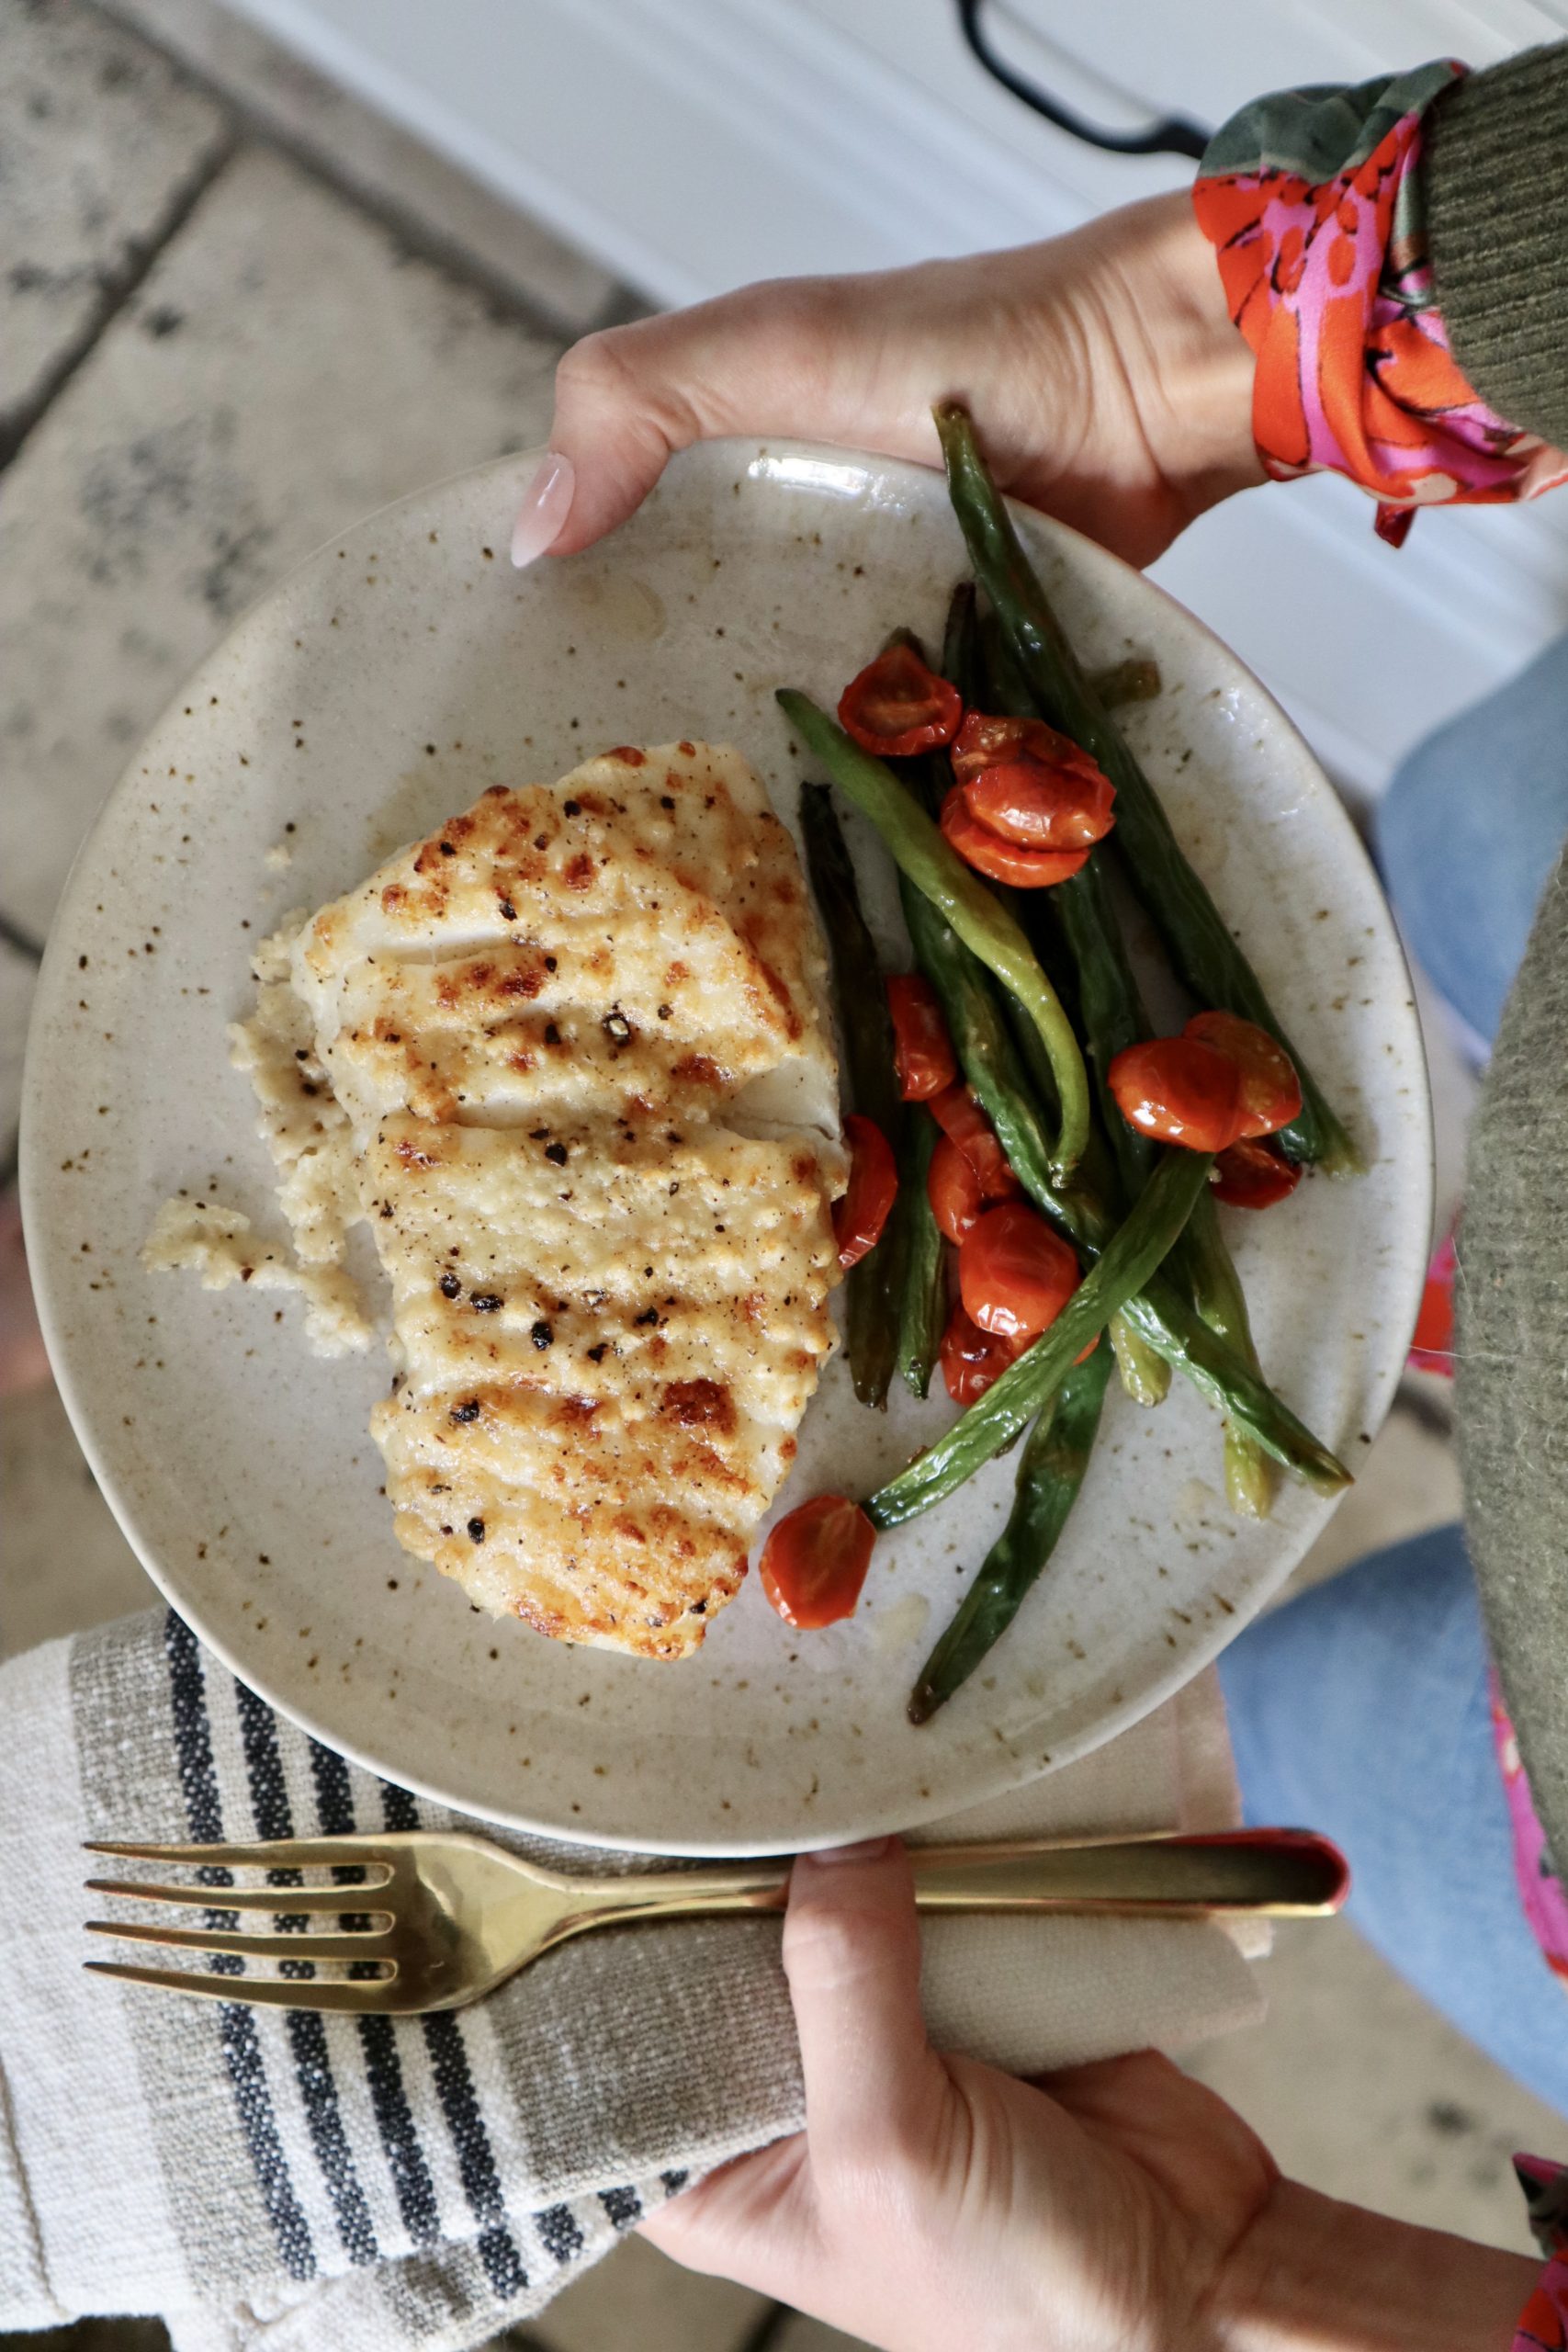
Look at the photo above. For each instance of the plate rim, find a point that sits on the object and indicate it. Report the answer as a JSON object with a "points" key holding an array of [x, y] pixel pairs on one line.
{"points": [[1192, 1660]]}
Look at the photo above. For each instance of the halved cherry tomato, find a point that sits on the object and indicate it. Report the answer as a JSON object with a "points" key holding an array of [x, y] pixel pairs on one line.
{"points": [[987, 740], [815, 1560], [953, 1190], [1000, 861], [1038, 808], [972, 1361], [921, 1046], [1030, 784], [859, 1215], [963, 1123], [1250, 1175], [896, 706], [1270, 1091], [1179, 1091], [1014, 1274]]}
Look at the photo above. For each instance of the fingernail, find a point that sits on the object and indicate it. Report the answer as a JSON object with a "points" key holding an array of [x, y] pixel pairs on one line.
{"points": [[546, 503], [865, 1849]]}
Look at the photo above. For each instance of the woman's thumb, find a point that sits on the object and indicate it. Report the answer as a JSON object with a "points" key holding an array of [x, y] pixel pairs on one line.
{"points": [[851, 1952], [790, 357], [622, 408]]}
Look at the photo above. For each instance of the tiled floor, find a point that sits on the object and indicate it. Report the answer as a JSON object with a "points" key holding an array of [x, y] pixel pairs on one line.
{"points": [[214, 350]]}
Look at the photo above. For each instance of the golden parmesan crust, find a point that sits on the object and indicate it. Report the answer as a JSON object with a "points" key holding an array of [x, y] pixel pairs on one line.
{"points": [[662, 898], [579, 1034], [636, 1258]]}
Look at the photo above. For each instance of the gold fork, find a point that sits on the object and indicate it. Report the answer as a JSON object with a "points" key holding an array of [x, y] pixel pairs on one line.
{"points": [[442, 1916]]}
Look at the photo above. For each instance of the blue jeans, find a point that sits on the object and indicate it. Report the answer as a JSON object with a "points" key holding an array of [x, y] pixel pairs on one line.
{"points": [[1362, 1708], [1469, 830]]}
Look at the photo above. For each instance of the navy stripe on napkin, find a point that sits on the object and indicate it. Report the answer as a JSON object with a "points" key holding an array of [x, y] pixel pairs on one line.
{"points": [[307, 2028], [237, 2029], [455, 2089]]}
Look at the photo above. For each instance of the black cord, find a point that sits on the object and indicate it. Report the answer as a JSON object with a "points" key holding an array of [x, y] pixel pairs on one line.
{"points": [[1172, 136]]}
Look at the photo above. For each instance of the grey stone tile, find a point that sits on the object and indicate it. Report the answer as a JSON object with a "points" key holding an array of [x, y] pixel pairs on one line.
{"points": [[1361, 2090], [284, 369], [638, 2300], [102, 142], [374, 159], [64, 1563], [18, 974]]}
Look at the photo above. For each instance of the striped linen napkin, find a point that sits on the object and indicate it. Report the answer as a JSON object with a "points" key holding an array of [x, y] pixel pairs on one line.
{"points": [[265, 2178]]}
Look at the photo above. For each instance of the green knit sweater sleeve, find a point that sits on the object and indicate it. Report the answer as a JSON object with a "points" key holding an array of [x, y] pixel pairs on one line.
{"points": [[1497, 215], [1497, 210]]}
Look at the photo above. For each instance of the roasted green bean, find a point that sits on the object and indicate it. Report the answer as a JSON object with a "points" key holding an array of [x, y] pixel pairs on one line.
{"points": [[874, 1290], [1050, 1472], [1203, 1265], [1130, 1260], [1200, 941], [983, 924], [923, 1312], [1161, 1319], [1112, 1016]]}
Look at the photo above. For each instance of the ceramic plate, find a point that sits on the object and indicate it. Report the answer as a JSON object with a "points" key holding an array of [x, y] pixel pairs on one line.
{"points": [[403, 670]]}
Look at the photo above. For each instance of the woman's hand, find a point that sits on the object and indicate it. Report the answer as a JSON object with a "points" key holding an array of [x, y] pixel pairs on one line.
{"points": [[1106, 382], [933, 2202], [934, 2205]]}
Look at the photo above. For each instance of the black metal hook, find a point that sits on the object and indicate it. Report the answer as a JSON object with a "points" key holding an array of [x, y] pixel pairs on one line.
{"points": [[1173, 135]]}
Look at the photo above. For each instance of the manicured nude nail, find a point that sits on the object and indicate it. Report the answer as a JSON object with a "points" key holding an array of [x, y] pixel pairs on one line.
{"points": [[866, 1849], [546, 503]]}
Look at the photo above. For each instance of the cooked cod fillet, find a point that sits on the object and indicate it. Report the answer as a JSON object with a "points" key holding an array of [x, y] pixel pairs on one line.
{"points": [[579, 1034]]}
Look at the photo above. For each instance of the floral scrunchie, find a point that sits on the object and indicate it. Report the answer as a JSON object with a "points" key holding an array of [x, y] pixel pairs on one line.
{"points": [[1312, 200]]}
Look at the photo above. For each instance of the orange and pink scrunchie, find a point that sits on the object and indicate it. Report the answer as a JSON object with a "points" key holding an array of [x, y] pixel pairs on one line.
{"points": [[1313, 201]]}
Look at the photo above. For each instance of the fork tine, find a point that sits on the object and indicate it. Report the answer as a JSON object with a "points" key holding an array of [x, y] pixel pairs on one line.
{"points": [[248, 1898], [267, 1853], [352, 1945], [367, 1994]]}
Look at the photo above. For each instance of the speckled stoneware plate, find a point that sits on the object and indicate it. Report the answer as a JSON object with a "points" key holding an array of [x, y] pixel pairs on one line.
{"points": [[400, 672]]}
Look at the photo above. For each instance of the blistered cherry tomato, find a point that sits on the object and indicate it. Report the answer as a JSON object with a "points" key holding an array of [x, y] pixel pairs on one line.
{"points": [[1037, 808], [921, 1046], [963, 1123], [898, 707], [1030, 784], [1250, 1175], [1000, 861], [859, 1215], [988, 739], [953, 1190], [1270, 1091], [972, 1361], [1014, 1274], [815, 1560], [1178, 1090]]}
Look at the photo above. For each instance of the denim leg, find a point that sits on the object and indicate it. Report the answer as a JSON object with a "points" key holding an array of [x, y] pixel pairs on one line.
{"points": [[1469, 832], [1362, 1709]]}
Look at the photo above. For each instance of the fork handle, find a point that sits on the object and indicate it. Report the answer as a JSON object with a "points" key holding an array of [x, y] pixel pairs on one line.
{"points": [[1275, 1873]]}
